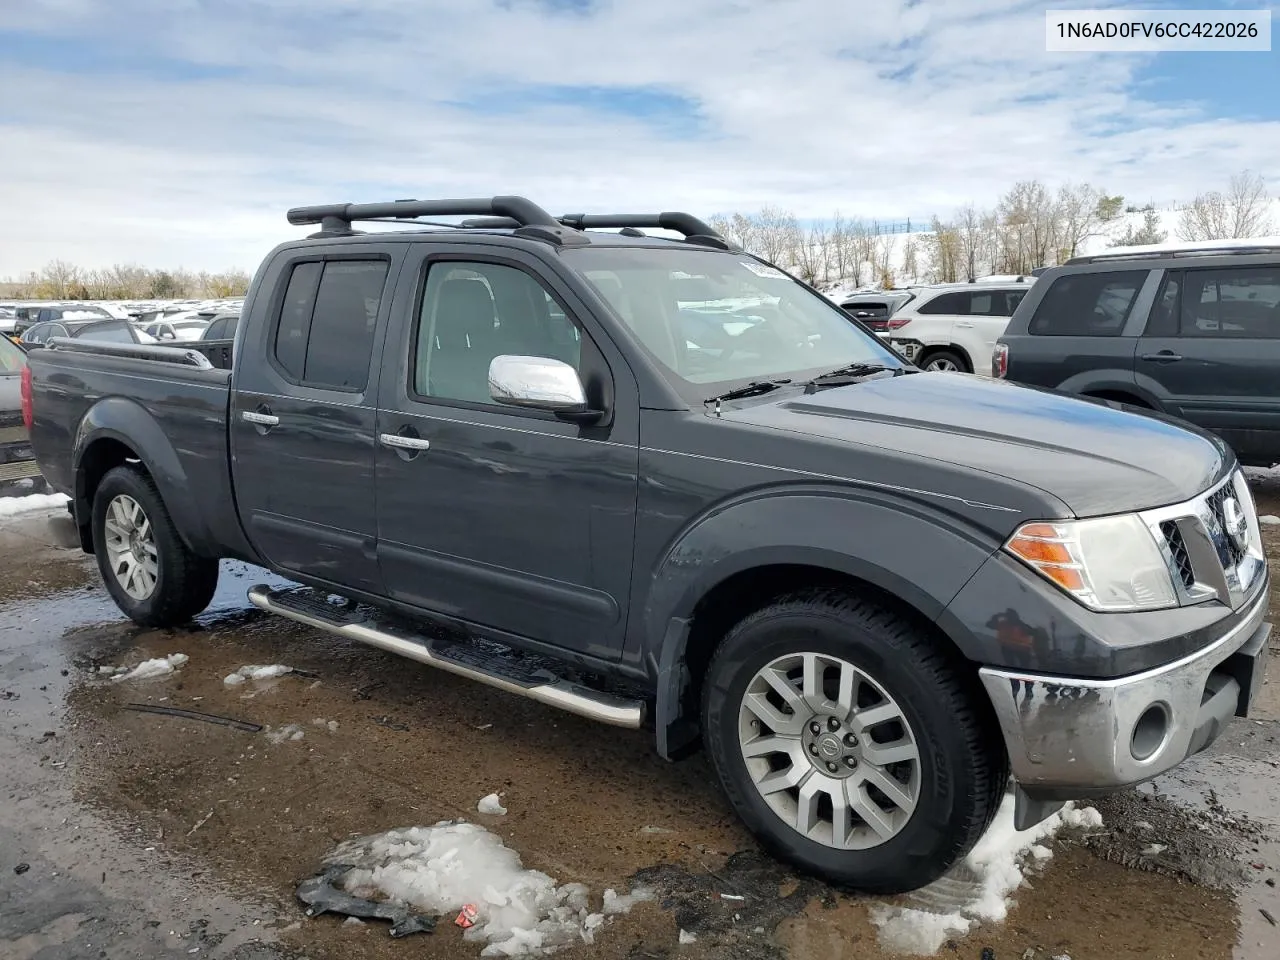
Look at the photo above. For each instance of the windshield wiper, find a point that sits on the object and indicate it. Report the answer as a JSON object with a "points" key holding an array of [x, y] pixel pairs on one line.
{"points": [[850, 373], [752, 389]]}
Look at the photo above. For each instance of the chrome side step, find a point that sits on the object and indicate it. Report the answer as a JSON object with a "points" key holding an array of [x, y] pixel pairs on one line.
{"points": [[310, 607]]}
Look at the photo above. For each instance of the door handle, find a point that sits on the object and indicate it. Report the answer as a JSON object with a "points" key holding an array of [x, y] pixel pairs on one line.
{"points": [[1164, 356], [400, 442], [260, 419]]}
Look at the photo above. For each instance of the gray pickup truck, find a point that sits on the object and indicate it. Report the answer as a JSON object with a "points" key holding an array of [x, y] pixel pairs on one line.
{"points": [[656, 480]]}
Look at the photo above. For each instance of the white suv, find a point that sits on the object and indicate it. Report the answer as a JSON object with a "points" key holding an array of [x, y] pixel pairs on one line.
{"points": [[954, 326]]}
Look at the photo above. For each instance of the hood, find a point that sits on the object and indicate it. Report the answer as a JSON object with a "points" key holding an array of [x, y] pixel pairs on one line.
{"points": [[1092, 457]]}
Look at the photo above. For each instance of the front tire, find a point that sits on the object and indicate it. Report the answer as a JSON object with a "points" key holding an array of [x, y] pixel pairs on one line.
{"points": [[849, 744], [153, 577]]}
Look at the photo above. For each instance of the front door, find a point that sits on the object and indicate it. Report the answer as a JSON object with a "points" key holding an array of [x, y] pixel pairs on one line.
{"points": [[504, 517], [303, 415], [1213, 349]]}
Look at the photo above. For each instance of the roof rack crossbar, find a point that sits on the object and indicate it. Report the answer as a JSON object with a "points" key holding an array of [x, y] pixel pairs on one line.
{"points": [[524, 212], [1241, 249]]}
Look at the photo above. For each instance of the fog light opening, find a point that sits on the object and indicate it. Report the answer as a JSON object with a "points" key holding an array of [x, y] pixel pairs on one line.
{"points": [[1149, 732]]}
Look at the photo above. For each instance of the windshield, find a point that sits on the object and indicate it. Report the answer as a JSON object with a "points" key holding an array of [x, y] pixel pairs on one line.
{"points": [[714, 320]]}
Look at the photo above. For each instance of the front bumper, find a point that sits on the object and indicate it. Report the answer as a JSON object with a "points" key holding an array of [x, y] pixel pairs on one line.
{"points": [[1069, 737]]}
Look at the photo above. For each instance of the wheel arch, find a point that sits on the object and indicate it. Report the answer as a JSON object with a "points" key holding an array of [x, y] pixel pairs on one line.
{"points": [[116, 431]]}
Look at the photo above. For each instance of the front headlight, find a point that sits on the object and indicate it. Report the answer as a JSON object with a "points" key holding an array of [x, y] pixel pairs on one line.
{"points": [[1109, 564]]}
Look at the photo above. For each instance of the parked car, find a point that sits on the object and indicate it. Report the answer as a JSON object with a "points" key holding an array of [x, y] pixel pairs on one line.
{"points": [[954, 326], [16, 460], [29, 315], [222, 327], [112, 331], [874, 310], [177, 329], [869, 592], [1192, 333]]}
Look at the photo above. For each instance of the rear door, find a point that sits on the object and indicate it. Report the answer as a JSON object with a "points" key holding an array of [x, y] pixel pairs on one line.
{"points": [[505, 517], [303, 412], [1212, 353], [988, 315]]}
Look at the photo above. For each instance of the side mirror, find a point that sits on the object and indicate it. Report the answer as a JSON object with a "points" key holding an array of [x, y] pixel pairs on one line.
{"points": [[540, 383]]}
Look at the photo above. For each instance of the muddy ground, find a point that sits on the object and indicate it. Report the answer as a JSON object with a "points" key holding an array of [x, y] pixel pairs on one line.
{"points": [[152, 836]]}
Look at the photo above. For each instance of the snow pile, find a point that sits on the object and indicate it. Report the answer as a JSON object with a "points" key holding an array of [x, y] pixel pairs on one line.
{"points": [[979, 889], [1270, 519], [160, 667], [491, 805], [290, 731], [256, 672], [32, 503], [438, 870]]}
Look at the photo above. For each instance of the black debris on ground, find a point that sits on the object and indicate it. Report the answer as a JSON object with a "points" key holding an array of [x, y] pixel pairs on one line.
{"points": [[321, 895]]}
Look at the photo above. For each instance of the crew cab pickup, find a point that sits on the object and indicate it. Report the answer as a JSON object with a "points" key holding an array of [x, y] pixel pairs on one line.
{"points": [[514, 449]]}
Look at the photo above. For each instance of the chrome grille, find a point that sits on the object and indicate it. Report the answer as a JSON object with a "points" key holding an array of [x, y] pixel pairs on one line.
{"points": [[1207, 557], [1178, 551]]}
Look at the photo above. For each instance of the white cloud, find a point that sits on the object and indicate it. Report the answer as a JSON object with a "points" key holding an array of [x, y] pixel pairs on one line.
{"points": [[183, 134]]}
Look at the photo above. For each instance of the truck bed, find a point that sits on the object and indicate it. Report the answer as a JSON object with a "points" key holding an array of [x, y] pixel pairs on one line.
{"points": [[146, 394]]}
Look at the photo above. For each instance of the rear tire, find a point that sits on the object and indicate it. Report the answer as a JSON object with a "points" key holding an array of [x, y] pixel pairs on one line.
{"points": [[946, 361], [153, 577], [916, 763]]}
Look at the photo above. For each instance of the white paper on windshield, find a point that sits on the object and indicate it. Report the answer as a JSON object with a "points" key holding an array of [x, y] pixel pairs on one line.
{"points": [[763, 270]]}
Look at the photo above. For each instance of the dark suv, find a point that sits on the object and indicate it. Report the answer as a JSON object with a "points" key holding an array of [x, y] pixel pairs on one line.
{"points": [[1191, 333]]}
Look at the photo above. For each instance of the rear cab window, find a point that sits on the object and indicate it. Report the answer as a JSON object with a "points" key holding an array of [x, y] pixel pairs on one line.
{"points": [[324, 333], [1088, 304]]}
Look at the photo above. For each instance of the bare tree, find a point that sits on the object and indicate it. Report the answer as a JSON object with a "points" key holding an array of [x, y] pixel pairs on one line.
{"points": [[946, 253], [882, 245], [839, 245], [228, 283], [910, 263], [1081, 211], [1240, 212]]}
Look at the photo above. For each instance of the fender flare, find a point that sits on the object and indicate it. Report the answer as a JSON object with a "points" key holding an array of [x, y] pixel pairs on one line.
{"points": [[131, 424], [811, 528]]}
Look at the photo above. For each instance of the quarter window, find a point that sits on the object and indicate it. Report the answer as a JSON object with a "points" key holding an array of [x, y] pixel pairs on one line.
{"points": [[1088, 304], [473, 312]]}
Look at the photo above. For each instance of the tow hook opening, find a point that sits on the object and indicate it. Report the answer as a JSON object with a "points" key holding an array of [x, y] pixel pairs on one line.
{"points": [[1150, 732]]}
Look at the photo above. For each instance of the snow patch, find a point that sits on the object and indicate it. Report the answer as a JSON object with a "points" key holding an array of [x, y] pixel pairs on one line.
{"points": [[1270, 519], [615, 903], [256, 672], [330, 725], [440, 869], [491, 805], [31, 503], [980, 888], [147, 669], [290, 731], [687, 938]]}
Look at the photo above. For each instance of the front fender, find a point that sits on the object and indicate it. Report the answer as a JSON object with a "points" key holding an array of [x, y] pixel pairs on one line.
{"points": [[920, 554], [129, 423]]}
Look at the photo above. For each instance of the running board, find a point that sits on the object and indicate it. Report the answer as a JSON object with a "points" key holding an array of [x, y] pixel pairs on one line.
{"points": [[346, 620]]}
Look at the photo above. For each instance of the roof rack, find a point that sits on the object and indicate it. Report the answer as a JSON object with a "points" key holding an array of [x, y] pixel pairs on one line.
{"points": [[693, 229], [1184, 252], [529, 219]]}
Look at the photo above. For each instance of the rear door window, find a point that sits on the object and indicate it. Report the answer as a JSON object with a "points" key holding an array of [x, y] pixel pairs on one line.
{"points": [[324, 336], [1088, 304], [948, 303], [1232, 302]]}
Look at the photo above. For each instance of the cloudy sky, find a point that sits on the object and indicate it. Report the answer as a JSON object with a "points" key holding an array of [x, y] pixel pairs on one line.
{"points": [[177, 132]]}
